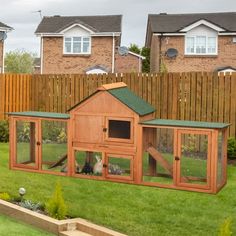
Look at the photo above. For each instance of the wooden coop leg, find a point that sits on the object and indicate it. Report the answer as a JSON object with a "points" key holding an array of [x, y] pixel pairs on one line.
{"points": [[152, 163], [89, 157]]}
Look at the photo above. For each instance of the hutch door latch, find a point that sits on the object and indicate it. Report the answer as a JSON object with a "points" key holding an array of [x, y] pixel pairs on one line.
{"points": [[104, 129], [177, 158]]}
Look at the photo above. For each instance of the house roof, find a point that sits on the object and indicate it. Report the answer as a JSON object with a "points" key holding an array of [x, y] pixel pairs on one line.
{"points": [[173, 23], [98, 24], [4, 26], [125, 96]]}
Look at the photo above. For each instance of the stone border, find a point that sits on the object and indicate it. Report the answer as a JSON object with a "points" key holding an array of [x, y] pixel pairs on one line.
{"points": [[52, 225]]}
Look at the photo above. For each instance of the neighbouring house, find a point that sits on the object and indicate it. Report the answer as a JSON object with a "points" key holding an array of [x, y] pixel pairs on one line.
{"points": [[4, 29], [84, 44], [192, 42]]}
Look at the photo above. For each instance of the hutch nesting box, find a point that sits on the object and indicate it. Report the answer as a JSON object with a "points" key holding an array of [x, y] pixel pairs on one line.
{"points": [[112, 135]]}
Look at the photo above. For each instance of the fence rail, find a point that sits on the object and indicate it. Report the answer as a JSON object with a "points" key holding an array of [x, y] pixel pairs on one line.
{"points": [[186, 96]]}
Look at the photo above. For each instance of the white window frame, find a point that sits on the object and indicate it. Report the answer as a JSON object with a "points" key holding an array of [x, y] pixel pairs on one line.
{"points": [[77, 53], [195, 40]]}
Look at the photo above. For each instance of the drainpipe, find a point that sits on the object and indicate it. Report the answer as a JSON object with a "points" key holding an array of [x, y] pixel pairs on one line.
{"points": [[113, 54], [160, 45], [41, 56], [3, 53]]}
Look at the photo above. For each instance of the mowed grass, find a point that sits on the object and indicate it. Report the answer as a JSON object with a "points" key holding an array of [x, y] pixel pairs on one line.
{"points": [[11, 227], [134, 210]]}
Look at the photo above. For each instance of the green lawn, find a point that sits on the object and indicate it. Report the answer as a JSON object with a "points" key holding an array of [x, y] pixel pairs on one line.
{"points": [[135, 210], [11, 227]]}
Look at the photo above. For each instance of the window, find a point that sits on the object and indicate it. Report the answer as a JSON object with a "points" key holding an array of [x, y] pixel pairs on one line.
{"points": [[200, 45], [119, 129], [77, 45]]}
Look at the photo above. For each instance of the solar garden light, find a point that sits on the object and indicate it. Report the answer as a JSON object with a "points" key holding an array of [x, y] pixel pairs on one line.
{"points": [[22, 192]]}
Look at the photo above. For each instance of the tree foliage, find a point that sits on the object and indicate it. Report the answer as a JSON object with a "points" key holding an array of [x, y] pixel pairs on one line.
{"points": [[19, 61], [134, 48], [145, 52]]}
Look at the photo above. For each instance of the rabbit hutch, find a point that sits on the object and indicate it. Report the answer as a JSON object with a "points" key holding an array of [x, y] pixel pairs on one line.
{"points": [[113, 135]]}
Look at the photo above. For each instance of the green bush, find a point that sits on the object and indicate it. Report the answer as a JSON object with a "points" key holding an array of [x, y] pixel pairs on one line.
{"points": [[4, 131], [231, 149], [31, 205], [225, 228], [56, 206], [5, 196]]}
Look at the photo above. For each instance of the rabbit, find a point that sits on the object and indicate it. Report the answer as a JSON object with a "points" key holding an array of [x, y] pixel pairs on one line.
{"points": [[97, 169]]}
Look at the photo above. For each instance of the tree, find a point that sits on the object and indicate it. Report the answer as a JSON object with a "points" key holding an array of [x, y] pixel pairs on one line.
{"points": [[19, 61], [134, 48], [145, 52]]}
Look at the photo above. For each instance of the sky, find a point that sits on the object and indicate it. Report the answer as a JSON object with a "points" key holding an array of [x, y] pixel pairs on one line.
{"points": [[22, 15]]}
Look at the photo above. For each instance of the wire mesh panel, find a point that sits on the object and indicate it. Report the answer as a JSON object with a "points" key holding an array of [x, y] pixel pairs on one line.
{"points": [[158, 155], [88, 163], [119, 166], [193, 158], [54, 146], [26, 143]]}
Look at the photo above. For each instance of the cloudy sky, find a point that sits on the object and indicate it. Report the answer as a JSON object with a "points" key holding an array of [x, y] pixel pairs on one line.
{"points": [[21, 15]]}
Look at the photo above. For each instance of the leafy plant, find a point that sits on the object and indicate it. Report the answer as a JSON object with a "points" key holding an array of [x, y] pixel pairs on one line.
{"points": [[31, 205], [4, 131], [5, 196], [231, 148], [225, 228], [56, 206]]}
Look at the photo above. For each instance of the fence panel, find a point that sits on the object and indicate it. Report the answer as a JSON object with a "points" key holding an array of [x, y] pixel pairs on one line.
{"points": [[186, 96]]}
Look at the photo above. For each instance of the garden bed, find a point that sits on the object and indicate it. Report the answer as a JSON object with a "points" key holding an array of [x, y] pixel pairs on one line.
{"points": [[52, 225]]}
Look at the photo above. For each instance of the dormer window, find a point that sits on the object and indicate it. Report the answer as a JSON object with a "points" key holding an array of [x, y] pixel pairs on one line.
{"points": [[201, 40], [77, 45]]}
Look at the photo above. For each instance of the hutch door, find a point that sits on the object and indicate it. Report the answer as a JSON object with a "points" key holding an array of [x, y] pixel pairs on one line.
{"points": [[192, 160]]}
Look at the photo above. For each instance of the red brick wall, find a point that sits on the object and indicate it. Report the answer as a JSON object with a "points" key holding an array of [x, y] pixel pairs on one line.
{"points": [[55, 62], [226, 56], [1, 56], [128, 63]]}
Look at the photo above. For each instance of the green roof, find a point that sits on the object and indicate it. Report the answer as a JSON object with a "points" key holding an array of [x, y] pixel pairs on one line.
{"points": [[185, 123], [131, 100], [52, 115]]}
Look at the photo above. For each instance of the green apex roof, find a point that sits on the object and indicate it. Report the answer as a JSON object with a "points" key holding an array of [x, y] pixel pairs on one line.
{"points": [[52, 115], [131, 100], [185, 123]]}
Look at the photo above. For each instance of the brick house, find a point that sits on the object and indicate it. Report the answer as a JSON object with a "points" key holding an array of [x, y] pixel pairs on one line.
{"points": [[192, 42], [3, 34], [84, 44]]}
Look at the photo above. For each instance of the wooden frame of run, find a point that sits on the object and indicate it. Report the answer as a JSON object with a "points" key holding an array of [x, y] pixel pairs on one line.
{"points": [[37, 146], [211, 186]]}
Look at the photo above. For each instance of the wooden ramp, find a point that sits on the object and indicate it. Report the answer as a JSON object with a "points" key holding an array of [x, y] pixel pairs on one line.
{"points": [[158, 157], [59, 162]]}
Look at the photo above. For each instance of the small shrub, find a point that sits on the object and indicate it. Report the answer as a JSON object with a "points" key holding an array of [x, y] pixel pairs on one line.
{"points": [[56, 206], [4, 131], [225, 228], [231, 148], [5, 196], [31, 205]]}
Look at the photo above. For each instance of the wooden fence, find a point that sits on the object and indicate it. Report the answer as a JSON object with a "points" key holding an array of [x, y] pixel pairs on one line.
{"points": [[185, 96]]}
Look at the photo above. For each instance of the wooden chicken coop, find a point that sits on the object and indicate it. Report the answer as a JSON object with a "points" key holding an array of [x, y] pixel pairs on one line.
{"points": [[112, 135]]}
